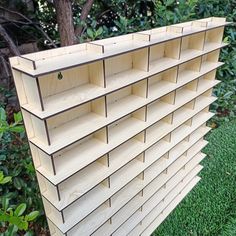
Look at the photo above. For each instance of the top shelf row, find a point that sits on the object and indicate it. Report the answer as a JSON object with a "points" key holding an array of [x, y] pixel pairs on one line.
{"points": [[46, 62]]}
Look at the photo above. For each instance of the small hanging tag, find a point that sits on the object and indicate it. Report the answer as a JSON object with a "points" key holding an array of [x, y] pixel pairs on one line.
{"points": [[60, 76]]}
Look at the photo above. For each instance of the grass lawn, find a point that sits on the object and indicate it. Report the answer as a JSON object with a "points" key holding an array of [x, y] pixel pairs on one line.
{"points": [[210, 209]]}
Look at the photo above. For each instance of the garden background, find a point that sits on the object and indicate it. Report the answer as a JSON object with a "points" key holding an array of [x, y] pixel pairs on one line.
{"points": [[210, 209]]}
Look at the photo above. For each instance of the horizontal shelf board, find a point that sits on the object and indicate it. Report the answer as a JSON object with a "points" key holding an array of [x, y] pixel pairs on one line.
{"points": [[100, 149], [159, 199], [115, 82], [140, 167], [128, 210], [161, 217], [70, 60]]}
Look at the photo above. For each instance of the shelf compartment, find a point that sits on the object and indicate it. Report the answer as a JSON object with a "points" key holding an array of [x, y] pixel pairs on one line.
{"points": [[189, 69], [211, 57], [164, 55], [132, 62], [127, 151], [214, 35], [75, 86], [162, 83], [192, 45], [205, 78], [126, 100], [73, 125], [161, 107], [159, 129], [127, 127]]}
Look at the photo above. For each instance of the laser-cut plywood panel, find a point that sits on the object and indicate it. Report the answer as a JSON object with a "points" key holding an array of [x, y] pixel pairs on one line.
{"points": [[116, 126]]}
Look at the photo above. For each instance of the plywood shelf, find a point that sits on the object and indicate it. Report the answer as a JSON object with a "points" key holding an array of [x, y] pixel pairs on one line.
{"points": [[116, 126]]}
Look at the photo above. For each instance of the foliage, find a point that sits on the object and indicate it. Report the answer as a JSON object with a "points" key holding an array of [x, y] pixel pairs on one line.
{"points": [[17, 178], [210, 208]]}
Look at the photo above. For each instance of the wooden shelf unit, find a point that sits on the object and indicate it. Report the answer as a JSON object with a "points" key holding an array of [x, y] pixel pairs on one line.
{"points": [[116, 126]]}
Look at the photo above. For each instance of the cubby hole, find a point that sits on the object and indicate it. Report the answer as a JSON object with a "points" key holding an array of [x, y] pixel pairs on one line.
{"points": [[164, 55], [211, 57], [188, 70], [186, 92], [158, 149], [204, 99], [191, 45], [126, 100], [183, 112], [213, 38], [71, 159], [84, 180], [131, 170], [180, 147], [157, 167], [127, 151], [162, 83], [181, 130], [161, 107], [206, 80], [125, 69], [77, 123], [159, 129], [127, 126]]}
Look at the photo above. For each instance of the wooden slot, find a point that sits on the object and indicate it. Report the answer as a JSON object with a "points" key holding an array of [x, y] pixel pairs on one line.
{"points": [[192, 44], [159, 128], [193, 41], [192, 65], [32, 91], [159, 108], [126, 100], [162, 83], [118, 67], [141, 137], [70, 126], [183, 93], [68, 88], [211, 57], [164, 54], [214, 35], [35, 128], [126, 152], [47, 189], [205, 78], [71, 159], [192, 85], [169, 98], [127, 126], [42, 160], [53, 214]]}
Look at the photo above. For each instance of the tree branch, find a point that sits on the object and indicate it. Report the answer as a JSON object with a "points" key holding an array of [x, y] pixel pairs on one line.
{"points": [[12, 47], [30, 22], [84, 14]]}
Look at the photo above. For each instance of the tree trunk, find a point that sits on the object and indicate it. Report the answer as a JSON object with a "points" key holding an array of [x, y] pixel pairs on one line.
{"points": [[65, 22], [84, 14], [11, 45]]}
